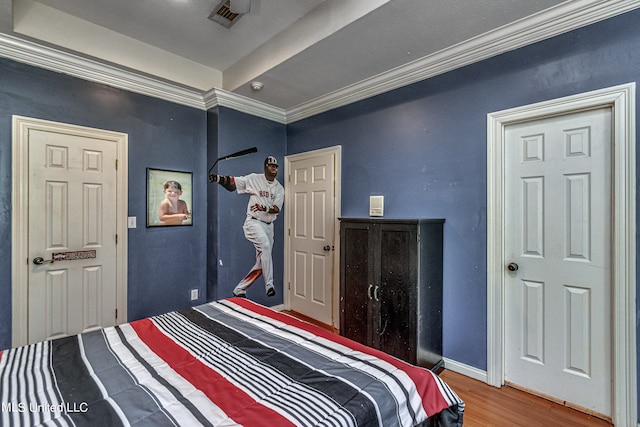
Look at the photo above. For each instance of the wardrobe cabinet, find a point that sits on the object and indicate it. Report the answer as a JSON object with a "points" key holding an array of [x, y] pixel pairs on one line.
{"points": [[391, 286]]}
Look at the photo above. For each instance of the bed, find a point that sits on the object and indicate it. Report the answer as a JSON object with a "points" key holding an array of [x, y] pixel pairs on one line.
{"points": [[226, 363]]}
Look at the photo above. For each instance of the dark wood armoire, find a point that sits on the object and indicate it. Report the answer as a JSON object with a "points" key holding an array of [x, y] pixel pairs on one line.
{"points": [[391, 286]]}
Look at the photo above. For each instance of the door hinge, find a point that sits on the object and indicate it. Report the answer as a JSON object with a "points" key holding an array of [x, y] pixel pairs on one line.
{"points": [[116, 239], [116, 164], [289, 285], [116, 314]]}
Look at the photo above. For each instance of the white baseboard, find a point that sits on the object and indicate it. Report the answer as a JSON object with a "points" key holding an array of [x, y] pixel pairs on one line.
{"points": [[466, 370]]}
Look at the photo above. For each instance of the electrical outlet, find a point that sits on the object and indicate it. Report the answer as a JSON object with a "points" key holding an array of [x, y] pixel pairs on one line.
{"points": [[194, 294]]}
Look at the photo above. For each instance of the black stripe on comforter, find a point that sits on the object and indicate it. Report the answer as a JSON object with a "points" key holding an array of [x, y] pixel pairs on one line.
{"points": [[76, 385]]}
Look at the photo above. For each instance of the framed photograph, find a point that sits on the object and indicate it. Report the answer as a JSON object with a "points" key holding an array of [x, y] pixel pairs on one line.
{"points": [[169, 198]]}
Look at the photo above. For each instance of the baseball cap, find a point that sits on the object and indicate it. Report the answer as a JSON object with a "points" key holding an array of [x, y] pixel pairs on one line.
{"points": [[270, 161]]}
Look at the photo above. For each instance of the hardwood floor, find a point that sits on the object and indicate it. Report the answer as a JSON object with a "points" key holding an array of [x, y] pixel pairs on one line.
{"points": [[487, 406], [509, 407], [312, 321]]}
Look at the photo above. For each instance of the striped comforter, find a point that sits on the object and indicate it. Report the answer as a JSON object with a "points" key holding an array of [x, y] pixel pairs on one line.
{"points": [[226, 363]]}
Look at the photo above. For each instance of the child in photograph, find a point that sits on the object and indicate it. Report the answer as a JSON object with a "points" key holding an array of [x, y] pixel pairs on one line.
{"points": [[173, 210]]}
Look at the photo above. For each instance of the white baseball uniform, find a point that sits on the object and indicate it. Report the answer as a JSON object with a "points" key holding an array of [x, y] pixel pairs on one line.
{"points": [[258, 226]]}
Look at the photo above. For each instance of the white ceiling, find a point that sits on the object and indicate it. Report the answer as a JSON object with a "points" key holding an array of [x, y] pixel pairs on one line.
{"points": [[301, 50]]}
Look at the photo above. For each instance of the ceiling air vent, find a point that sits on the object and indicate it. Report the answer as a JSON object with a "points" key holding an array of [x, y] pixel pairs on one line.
{"points": [[222, 14]]}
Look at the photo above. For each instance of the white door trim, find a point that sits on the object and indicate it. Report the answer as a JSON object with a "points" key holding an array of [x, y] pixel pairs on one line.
{"points": [[621, 99], [337, 152], [19, 216]]}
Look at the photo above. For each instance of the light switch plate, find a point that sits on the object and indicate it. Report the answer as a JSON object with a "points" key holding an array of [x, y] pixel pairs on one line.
{"points": [[376, 205], [131, 221]]}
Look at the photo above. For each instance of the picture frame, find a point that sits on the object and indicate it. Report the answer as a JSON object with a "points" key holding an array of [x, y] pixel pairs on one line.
{"points": [[169, 198]]}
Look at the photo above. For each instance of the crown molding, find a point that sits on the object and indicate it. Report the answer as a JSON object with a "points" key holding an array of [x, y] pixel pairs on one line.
{"points": [[88, 69], [55, 60], [561, 19], [558, 20], [218, 97]]}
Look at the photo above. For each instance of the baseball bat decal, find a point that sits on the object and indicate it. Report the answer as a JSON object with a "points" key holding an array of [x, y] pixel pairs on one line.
{"points": [[232, 156]]}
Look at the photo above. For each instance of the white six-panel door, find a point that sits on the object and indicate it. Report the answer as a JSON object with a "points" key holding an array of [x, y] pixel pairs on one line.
{"points": [[558, 245], [69, 197], [311, 214], [72, 204]]}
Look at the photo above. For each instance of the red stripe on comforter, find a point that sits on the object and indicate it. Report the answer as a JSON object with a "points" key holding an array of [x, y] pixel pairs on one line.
{"points": [[432, 400], [237, 404]]}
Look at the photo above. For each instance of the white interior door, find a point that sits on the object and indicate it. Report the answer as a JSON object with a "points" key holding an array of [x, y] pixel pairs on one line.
{"points": [[72, 221], [312, 220], [558, 235]]}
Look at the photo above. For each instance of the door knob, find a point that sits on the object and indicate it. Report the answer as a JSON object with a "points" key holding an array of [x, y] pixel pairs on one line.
{"points": [[512, 266], [327, 248], [39, 261]]}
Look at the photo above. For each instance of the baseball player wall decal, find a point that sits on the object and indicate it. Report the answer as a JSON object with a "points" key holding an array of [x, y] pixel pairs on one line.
{"points": [[266, 196]]}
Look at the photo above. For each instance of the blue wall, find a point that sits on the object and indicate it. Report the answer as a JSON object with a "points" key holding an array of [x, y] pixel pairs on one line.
{"points": [[424, 148], [164, 262]]}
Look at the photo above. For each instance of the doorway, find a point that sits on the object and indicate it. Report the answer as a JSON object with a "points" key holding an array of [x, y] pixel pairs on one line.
{"points": [[503, 270], [69, 224], [311, 225], [558, 250]]}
